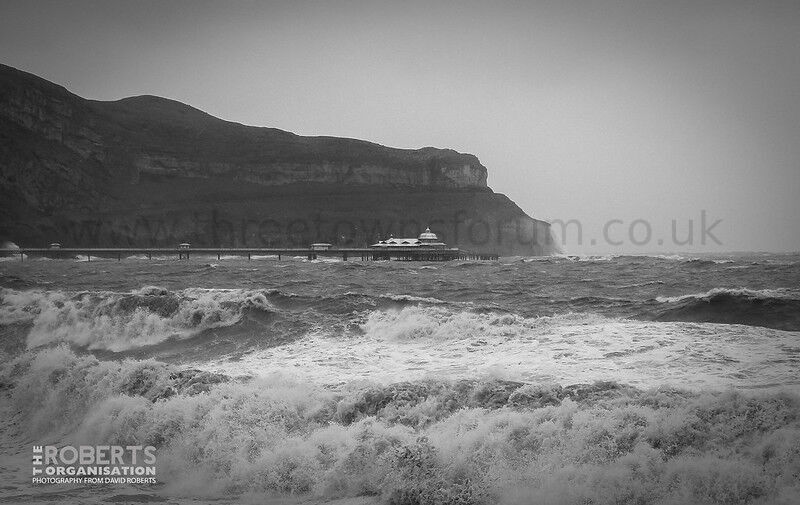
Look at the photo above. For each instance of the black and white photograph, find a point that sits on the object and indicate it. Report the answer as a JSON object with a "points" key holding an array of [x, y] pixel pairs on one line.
{"points": [[374, 252]]}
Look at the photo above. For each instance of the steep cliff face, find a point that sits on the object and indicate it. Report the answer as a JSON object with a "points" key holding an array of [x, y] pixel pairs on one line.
{"points": [[66, 161]]}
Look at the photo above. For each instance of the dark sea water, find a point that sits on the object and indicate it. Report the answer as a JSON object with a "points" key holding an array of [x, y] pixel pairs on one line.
{"points": [[620, 379]]}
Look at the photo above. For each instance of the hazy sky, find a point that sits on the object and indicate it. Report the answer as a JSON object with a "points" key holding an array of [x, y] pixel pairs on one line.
{"points": [[595, 111]]}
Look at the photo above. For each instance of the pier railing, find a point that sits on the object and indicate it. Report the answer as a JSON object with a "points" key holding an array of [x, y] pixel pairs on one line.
{"points": [[363, 254]]}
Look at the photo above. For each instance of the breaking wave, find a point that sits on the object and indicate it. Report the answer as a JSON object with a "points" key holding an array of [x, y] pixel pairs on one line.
{"points": [[413, 299], [110, 321], [443, 324], [420, 442], [771, 308], [391, 344]]}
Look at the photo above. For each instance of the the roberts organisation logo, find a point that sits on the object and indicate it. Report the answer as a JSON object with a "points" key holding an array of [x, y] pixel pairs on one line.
{"points": [[94, 464]]}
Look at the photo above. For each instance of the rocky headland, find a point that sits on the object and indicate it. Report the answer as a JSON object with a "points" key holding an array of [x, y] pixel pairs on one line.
{"points": [[148, 171]]}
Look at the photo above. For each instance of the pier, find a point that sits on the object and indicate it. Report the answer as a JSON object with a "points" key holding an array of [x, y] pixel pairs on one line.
{"points": [[183, 253]]}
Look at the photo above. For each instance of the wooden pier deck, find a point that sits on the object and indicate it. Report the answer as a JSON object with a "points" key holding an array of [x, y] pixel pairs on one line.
{"points": [[363, 254]]}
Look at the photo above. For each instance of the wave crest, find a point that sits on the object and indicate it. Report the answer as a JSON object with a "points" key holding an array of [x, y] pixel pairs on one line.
{"points": [[121, 321], [770, 308]]}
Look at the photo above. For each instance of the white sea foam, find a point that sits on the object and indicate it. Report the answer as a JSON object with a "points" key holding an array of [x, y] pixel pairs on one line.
{"points": [[411, 298], [672, 257], [325, 259], [779, 293], [228, 257], [83, 258], [251, 441], [156, 257], [418, 341]]}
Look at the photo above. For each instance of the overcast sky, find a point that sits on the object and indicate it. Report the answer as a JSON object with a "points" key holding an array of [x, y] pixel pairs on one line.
{"points": [[595, 111]]}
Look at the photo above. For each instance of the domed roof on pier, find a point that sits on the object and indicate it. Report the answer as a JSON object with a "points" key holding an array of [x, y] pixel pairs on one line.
{"points": [[428, 235]]}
